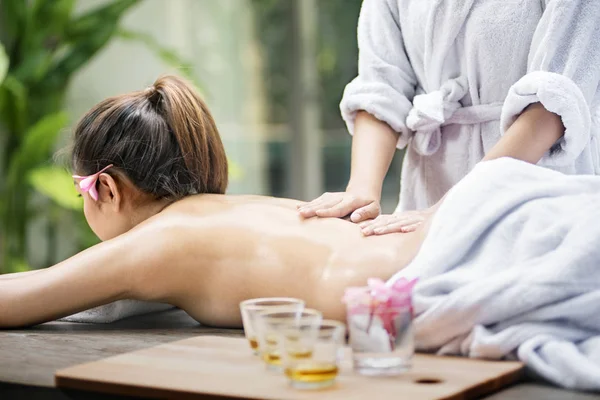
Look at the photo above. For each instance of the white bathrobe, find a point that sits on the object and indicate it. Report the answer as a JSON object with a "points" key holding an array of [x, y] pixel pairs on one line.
{"points": [[452, 75]]}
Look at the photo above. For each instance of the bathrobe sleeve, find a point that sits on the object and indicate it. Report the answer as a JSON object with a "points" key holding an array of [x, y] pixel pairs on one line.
{"points": [[563, 74], [385, 84]]}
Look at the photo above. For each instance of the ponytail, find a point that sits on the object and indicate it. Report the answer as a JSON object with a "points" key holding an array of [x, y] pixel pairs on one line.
{"points": [[196, 133]]}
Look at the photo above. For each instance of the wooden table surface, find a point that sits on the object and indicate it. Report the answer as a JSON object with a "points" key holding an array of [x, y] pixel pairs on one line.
{"points": [[28, 358]]}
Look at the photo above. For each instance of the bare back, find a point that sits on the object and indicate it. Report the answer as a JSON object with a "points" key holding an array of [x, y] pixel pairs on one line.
{"points": [[239, 247], [205, 254]]}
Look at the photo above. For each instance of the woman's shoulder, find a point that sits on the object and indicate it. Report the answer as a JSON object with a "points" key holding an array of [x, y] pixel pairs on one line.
{"points": [[195, 219], [211, 204]]}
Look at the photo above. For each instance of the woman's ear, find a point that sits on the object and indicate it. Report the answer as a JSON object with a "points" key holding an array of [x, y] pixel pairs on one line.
{"points": [[110, 191]]}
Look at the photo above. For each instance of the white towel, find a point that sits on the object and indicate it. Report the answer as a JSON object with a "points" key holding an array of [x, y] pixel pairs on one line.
{"points": [[115, 311], [511, 266]]}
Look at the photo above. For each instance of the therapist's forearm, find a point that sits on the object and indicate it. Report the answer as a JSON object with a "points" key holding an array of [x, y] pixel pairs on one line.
{"points": [[530, 136], [373, 148]]}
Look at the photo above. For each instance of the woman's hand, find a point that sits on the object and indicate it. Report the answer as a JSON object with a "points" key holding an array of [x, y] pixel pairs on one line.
{"points": [[403, 222], [360, 207], [373, 147]]}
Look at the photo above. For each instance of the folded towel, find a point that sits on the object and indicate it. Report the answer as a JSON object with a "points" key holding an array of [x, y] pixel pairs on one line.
{"points": [[115, 311], [511, 267]]}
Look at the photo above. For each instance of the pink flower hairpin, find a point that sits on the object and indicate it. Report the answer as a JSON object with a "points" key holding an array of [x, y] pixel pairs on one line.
{"points": [[88, 183]]}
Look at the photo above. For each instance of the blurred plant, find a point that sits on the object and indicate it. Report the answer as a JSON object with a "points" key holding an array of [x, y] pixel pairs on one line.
{"points": [[337, 54], [43, 43]]}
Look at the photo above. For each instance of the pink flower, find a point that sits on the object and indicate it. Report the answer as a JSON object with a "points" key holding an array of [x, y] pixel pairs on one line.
{"points": [[381, 300], [379, 290], [377, 293], [88, 183], [404, 285]]}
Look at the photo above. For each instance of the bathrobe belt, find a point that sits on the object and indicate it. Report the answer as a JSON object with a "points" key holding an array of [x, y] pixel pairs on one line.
{"points": [[442, 107]]}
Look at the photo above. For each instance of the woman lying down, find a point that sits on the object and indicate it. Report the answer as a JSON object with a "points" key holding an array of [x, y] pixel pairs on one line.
{"points": [[518, 275], [152, 171]]}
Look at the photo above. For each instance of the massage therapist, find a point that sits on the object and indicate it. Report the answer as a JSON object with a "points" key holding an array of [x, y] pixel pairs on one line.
{"points": [[460, 81]]}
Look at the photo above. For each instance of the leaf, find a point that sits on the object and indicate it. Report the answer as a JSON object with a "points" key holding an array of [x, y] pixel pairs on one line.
{"points": [[14, 264], [34, 66], [36, 146], [40, 43], [14, 103], [87, 35], [20, 266], [87, 24], [166, 55], [52, 16], [235, 172], [3, 63], [13, 15], [56, 184], [40, 138]]}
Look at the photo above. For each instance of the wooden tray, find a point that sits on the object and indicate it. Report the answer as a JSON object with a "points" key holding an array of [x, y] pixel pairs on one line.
{"points": [[219, 367]]}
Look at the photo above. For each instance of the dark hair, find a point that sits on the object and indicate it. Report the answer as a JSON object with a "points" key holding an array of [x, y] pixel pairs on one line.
{"points": [[164, 139]]}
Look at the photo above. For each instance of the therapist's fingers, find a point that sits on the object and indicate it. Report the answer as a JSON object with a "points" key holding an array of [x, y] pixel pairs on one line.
{"points": [[395, 227], [312, 209], [407, 220], [391, 223], [367, 212], [324, 201], [314, 203], [411, 228], [341, 209], [409, 217], [379, 222], [366, 224], [311, 203]]}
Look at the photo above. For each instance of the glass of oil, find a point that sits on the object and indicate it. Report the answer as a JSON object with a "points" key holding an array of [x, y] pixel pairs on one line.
{"points": [[274, 324], [321, 351], [250, 309]]}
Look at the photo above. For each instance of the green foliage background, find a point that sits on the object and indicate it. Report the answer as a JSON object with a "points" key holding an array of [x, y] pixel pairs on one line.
{"points": [[43, 44]]}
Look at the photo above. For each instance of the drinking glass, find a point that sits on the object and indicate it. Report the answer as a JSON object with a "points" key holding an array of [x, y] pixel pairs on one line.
{"points": [[273, 323], [323, 347], [250, 309], [381, 337]]}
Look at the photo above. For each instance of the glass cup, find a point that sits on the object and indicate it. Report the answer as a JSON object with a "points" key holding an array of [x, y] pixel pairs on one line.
{"points": [[322, 350], [381, 338], [250, 309], [272, 324]]}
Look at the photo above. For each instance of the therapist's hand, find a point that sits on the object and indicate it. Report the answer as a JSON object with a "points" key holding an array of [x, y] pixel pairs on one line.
{"points": [[360, 206], [403, 222]]}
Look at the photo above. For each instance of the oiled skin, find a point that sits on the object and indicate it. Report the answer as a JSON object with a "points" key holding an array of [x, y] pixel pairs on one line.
{"points": [[207, 253]]}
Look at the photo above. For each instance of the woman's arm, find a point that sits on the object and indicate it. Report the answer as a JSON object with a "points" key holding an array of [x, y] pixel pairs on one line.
{"points": [[110, 271], [563, 74], [16, 275], [375, 106], [373, 148], [531, 136]]}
